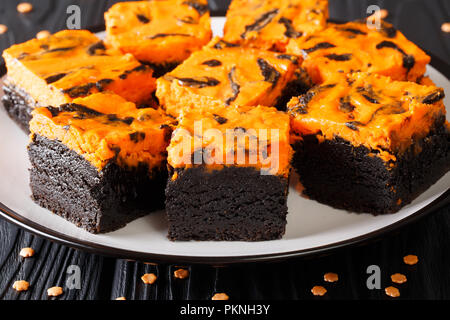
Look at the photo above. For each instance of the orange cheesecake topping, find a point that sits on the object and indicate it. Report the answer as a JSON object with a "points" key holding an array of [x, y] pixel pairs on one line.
{"points": [[159, 32], [74, 63], [426, 81], [104, 127], [354, 47], [270, 24], [232, 136], [225, 73], [371, 110]]}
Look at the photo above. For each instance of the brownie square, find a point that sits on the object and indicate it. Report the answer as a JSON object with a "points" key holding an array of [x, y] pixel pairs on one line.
{"points": [[340, 49], [228, 200], [223, 73], [99, 162], [270, 24], [159, 33], [369, 144], [68, 65], [65, 183]]}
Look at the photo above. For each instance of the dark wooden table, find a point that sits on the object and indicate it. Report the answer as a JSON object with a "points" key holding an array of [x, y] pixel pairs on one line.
{"points": [[108, 278]]}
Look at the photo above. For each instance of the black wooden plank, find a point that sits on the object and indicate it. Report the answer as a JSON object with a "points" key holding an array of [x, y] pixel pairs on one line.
{"points": [[47, 268], [428, 238]]}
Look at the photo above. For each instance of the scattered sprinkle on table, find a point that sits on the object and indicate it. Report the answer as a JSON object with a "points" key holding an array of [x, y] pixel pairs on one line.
{"points": [[43, 34], [24, 7], [26, 252], [54, 291], [382, 14], [220, 296], [410, 259], [149, 278], [318, 290], [181, 273], [392, 292], [21, 285], [446, 27], [398, 278], [3, 29], [121, 298], [330, 277]]}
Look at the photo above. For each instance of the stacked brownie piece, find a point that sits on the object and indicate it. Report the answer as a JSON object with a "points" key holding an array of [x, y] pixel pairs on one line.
{"points": [[68, 65], [270, 24], [159, 33], [355, 47]]}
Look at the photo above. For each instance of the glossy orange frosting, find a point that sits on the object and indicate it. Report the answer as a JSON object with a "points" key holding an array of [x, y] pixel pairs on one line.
{"points": [[384, 115], [75, 63], [223, 73], [159, 32], [270, 24], [354, 47], [232, 136], [104, 127]]}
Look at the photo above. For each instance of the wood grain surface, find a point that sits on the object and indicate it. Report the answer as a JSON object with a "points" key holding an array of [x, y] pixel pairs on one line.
{"points": [[108, 278]]}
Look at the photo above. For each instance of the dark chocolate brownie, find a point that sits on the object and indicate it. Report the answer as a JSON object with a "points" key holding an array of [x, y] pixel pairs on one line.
{"points": [[366, 143], [17, 106], [270, 24], [234, 203], [100, 161], [339, 174], [161, 33], [161, 69], [213, 193], [299, 85], [356, 46], [98, 201]]}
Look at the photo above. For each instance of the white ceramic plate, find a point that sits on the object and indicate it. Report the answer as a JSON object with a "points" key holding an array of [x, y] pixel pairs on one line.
{"points": [[311, 227]]}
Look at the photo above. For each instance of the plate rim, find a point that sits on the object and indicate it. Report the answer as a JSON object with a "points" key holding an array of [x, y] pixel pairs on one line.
{"points": [[95, 248]]}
